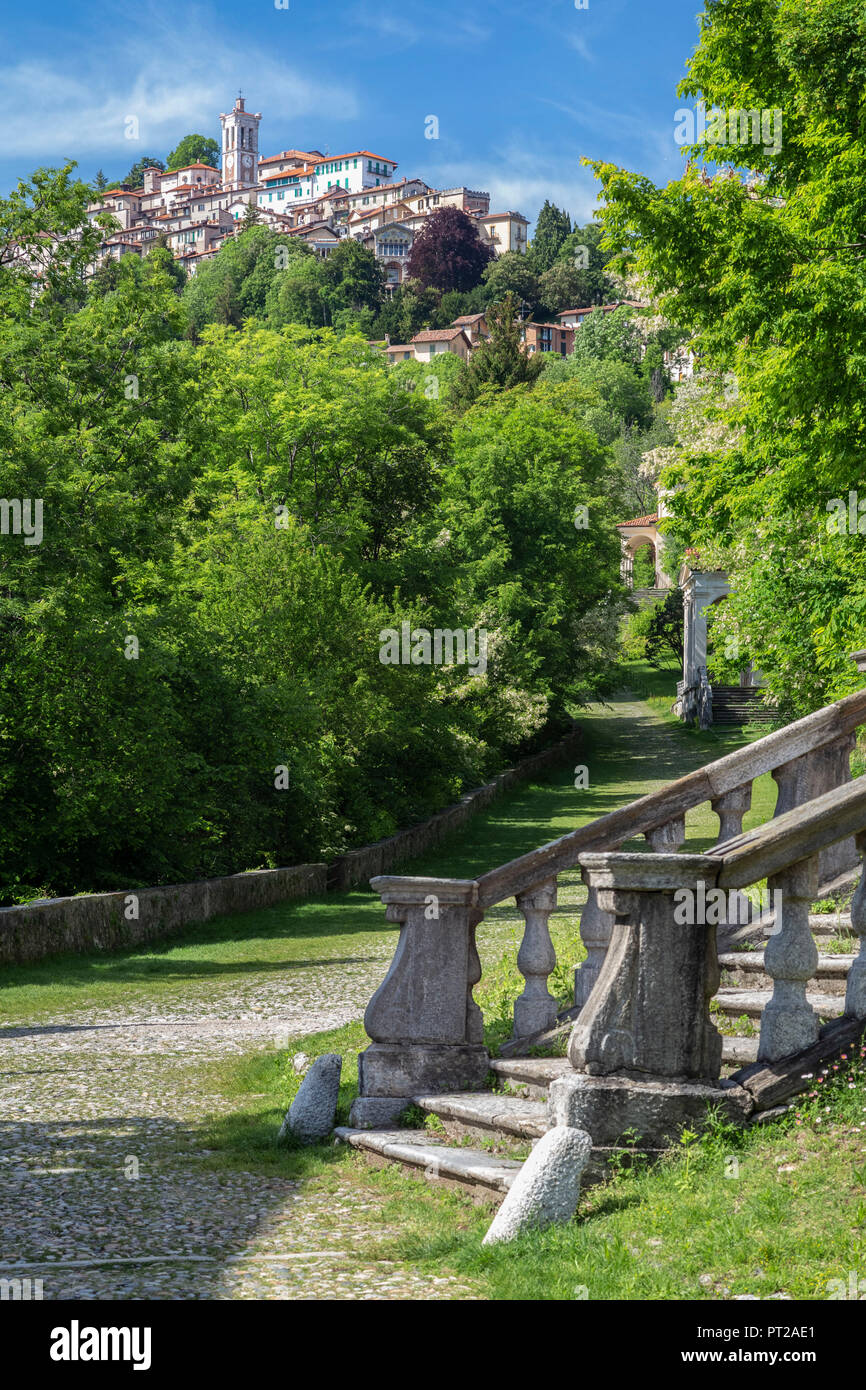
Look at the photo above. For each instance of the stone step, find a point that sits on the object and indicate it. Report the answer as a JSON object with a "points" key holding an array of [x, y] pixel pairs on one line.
{"points": [[529, 1077], [752, 1002], [486, 1176], [487, 1114], [830, 924], [745, 969]]}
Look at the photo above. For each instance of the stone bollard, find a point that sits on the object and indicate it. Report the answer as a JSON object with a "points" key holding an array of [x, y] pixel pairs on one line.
{"points": [[310, 1117], [547, 1188]]}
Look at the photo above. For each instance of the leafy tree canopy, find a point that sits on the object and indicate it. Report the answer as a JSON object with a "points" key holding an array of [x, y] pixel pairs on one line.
{"points": [[764, 261], [194, 149], [448, 253]]}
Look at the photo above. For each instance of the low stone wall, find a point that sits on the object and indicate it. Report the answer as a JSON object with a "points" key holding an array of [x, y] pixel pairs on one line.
{"points": [[118, 921]]}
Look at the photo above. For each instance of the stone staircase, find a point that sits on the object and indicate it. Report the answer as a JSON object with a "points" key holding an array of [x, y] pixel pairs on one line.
{"points": [[477, 1140], [740, 704], [670, 1010]]}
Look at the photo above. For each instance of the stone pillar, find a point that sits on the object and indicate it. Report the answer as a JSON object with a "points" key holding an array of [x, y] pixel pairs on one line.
{"points": [[649, 1011], [789, 1022], [426, 1029], [855, 995], [535, 1010], [645, 1052]]}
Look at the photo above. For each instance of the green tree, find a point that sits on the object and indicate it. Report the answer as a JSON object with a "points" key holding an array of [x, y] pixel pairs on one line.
{"points": [[551, 231], [609, 337], [100, 182], [135, 177], [582, 251], [195, 149], [512, 273], [352, 279], [765, 266], [501, 361], [655, 633], [523, 467]]}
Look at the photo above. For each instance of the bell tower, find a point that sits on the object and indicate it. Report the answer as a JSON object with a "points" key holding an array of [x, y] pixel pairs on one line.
{"points": [[240, 146]]}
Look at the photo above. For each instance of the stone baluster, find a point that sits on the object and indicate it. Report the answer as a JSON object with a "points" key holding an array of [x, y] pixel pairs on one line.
{"points": [[595, 928], [855, 995], [535, 1010], [791, 780], [730, 808], [789, 1022]]}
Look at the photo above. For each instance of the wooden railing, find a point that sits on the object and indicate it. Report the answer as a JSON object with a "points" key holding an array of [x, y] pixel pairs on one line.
{"points": [[424, 1024]]}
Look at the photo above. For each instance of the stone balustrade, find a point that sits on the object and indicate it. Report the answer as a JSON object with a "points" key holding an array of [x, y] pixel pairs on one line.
{"points": [[425, 1026]]}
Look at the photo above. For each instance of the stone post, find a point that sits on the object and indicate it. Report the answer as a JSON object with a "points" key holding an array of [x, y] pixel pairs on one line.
{"points": [[648, 1014], [789, 1022], [855, 995], [645, 1052], [425, 1027], [535, 1010]]}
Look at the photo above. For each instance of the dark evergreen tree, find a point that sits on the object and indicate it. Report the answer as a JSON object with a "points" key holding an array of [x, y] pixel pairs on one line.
{"points": [[551, 230], [501, 361]]}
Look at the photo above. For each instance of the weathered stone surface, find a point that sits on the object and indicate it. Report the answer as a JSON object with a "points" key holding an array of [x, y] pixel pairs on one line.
{"points": [[377, 1112], [394, 1069], [526, 1119], [547, 1188], [470, 1167], [649, 1009], [311, 1115], [608, 1106]]}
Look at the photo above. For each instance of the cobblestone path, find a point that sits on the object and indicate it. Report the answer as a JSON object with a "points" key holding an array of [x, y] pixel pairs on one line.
{"points": [[104, 1192]]}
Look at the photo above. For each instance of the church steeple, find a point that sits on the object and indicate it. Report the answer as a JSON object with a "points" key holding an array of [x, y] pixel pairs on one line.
{"points": [[240, 145]]}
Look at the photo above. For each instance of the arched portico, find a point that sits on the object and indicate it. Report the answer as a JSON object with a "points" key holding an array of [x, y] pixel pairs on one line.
{"points": [[635, 535]]}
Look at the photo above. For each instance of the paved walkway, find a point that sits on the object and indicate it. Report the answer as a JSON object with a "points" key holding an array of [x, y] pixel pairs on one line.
{"points": [[105, 1193]]}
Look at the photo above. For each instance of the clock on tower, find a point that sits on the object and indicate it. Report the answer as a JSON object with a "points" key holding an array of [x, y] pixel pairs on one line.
{"points": [[240, 145]]}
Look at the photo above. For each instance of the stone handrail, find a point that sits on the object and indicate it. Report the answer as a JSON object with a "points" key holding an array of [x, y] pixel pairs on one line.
{"points": [[424, 1024], [648, 1015]]}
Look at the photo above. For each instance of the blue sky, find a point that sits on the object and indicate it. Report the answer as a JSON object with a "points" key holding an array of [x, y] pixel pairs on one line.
{"points": [[521, 90]]}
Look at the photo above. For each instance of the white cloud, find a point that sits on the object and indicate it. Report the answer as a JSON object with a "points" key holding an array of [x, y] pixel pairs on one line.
{"points": [[522, 180], [51, 110]]}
